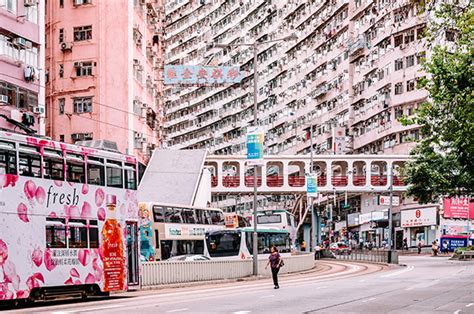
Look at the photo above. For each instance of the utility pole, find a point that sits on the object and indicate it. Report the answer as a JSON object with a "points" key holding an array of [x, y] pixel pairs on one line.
{"points": [[390, 215], [255, 167]]}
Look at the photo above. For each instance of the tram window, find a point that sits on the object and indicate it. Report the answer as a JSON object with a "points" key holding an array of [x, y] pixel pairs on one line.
{"points": [[75, 168], [114, 174], [7, 162], [53, 165], [188, 216], [56, 233], [130, 177], [77, 233], [93, 234], [158, 214], [95, 171], [30, 165]]}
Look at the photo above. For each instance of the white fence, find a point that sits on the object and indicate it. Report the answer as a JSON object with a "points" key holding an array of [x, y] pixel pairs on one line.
{"points": [[160, 273]]}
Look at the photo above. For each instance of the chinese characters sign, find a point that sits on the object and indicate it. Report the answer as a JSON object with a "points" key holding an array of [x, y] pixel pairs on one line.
{"points": [[418, 217], [457, 207], [201, 75], [255, 137]]}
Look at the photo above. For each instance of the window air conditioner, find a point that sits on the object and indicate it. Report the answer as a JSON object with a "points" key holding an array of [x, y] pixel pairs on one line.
{"points": [[66, 46], [39, 110], [29, 3], [76, 136], [20, 41], [77, 64], [3, 99], [78, 2]]}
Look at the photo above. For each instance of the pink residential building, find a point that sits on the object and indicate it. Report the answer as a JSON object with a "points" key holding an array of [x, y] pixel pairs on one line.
{"points": [[104, 60], [22, 74]]}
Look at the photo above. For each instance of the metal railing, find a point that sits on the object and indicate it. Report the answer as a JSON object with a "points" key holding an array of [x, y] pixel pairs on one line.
{"points": [[163, 272], [373, 256]]}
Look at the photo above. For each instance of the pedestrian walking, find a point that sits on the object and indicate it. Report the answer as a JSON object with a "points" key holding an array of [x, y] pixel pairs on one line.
{"points": [[303, 246], [405, 244], [434, 248], [419, 247], [275, 261]]}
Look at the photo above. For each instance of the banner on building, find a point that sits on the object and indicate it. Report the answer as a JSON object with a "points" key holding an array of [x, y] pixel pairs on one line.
{"points": [[312, 186], [339, 140], [372, 216], [418, 217], [201, 75], [255, 138], [458, 207]]}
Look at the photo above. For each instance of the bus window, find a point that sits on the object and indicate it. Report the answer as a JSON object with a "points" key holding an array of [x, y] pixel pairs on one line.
{"points": [[93, 234], [75, 168], [173, 214], [203, 217], [130, 177], [216, 217], [95, 171], [158, 214], [269, 219], [114, 174], [263, 245], [77, 233], [7, 158], [188, 216], [221, 244], [280, 240], [29, 162], [56, 233], [53, 165]]}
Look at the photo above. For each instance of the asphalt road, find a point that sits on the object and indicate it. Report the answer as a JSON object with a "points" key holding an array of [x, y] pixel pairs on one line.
{"points": [[425, 285]]}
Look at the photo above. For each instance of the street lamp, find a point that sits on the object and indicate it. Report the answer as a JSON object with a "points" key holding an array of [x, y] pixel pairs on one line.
{"points": [[255, 46]]}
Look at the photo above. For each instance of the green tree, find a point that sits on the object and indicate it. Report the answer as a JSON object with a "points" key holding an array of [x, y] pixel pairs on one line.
{"points": [[442, 162]]}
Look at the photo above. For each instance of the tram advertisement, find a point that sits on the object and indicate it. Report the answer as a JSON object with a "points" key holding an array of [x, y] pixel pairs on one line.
{"points": [[57, 233]]}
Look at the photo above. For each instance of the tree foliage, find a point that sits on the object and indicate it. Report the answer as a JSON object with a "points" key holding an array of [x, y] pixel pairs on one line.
{"points": [[442, 162]]}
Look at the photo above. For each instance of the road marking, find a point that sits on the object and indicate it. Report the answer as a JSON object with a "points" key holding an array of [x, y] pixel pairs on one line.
{"points": [[469, 305], [409, 268], [423, 285], [267, 296], [241, 312], [457, 312], [88, 309], [178, 310], [371, 299]]}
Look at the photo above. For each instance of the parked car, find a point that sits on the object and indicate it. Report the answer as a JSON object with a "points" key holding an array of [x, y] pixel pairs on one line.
{"points": [[340, 248], [188, 258]]}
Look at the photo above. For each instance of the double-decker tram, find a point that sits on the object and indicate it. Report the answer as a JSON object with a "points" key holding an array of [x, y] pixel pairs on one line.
{"points": [[68, 220], [238, 243], [168, 230]]}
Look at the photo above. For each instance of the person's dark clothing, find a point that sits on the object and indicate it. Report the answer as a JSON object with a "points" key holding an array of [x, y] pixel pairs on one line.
{"points": [[274, 260], [275, 276]]}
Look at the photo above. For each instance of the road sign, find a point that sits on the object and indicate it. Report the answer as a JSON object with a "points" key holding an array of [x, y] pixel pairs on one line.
{"points": [[385, 200]]}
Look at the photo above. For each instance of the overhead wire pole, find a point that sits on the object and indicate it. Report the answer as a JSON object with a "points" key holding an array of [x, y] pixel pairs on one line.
{"points": [[254, 47], [390, 215]]}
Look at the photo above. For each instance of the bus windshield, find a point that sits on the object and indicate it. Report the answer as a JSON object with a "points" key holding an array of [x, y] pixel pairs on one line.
{"points": [[220, 244], [268, 239], [269, 219]]}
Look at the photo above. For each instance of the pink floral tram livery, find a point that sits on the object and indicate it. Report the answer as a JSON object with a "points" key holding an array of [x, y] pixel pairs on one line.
{"points": [[68, 219]]}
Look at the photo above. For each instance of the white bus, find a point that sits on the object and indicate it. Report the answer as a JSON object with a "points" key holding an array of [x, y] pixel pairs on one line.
{"points": [[66, 213], [279, 219], [238, 243], [169, 230]]}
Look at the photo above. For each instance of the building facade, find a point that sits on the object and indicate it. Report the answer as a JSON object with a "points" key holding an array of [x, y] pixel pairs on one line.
{"points": [[22, 69], [104, 62]]}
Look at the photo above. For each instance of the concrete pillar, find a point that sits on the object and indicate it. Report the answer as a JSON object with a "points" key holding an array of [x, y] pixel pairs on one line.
{"points": [[307, 236]]}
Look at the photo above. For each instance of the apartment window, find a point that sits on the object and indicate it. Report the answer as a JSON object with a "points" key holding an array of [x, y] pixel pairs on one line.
{"points": [[410, 85], [398, 64], [137, 37], [62, 104], [10, 5], [410, 37], [61, 137], [61, 35], [81, 2], [410, 61], [83, 105], [398, 88], [61, 70], [420, 33], [398, 40], [420, 57], [82, 33], [31, 13], [61, 3], [83, 68]]}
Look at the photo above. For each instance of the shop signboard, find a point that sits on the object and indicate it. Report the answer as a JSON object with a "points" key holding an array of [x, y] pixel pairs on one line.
{"points": [[187, 232], [353, 220], [385, 200], [311, 186], [372, 216], [454, 241], [418, 217], [458, 207], [255, 137]]}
